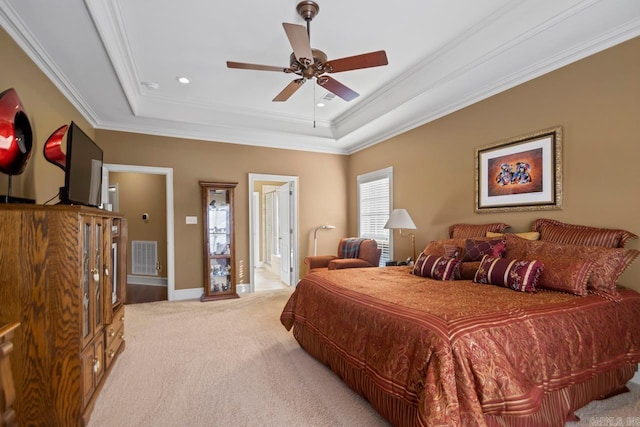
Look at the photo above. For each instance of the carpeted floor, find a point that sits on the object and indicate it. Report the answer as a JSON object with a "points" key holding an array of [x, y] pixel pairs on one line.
{"points": [[231, 362], [221, 363]]}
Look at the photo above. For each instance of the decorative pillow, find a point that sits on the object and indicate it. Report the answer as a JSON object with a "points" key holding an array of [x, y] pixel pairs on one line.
{"points": [[608, 263], [518, 275], [529, 235], [559, 232], [475, 249], [446, 247], [435, 267], [451, 251], [565, 275], [468, 270], [466, 231]]}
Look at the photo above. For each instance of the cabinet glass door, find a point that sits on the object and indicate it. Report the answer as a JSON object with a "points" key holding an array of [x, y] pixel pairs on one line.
{"points": [[86, 280], [97, 272], [219, 244], [219, 241]]}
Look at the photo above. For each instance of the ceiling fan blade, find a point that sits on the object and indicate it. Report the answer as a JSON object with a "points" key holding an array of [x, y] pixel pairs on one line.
{"points": [[299, 39], [366, 60], [289, 90], [245, 66], [334, 86]]}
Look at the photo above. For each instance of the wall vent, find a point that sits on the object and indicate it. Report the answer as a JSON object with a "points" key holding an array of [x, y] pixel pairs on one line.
{"points": [[144, 257], [328, 96]]}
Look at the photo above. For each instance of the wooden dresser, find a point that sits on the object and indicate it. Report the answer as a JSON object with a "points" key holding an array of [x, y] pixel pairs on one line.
{"points": [[7, 389], [62, 277]]}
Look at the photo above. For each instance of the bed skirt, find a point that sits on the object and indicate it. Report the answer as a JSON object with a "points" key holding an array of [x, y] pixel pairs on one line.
{"points": [[556, 409]]}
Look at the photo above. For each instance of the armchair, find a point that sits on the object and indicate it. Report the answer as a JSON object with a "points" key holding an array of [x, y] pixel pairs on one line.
{"points": [[368, 255]]}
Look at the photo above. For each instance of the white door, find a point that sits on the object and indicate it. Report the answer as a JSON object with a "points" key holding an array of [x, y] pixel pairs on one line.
{"points": [[255, 220], [284, 219]]}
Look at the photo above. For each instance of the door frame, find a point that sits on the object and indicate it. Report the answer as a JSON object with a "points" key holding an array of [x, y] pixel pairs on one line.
{"points": [[253, 177], [285, 276], [168, 173]]}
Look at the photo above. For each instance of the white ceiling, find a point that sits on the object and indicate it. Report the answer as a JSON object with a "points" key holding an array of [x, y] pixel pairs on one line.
{"points": [[443, 55]]}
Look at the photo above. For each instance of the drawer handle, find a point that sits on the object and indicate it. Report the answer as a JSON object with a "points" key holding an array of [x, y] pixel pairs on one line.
{"points": [[111, 354], [112, 333], [122, 318], [122, 336], [96, 365]]}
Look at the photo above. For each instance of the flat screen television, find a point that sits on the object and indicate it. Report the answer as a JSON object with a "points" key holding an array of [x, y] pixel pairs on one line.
{"points": [[83, 170]]}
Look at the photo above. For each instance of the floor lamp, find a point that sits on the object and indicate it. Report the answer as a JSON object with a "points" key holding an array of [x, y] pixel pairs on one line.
{"points": [[400, 219], [315, 235]]}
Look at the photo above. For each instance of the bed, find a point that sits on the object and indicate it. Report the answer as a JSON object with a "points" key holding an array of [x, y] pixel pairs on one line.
{"points": [[430, 352]]}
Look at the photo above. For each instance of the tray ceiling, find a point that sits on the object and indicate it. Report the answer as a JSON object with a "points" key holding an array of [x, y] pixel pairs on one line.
{"points": [[118, 61]]}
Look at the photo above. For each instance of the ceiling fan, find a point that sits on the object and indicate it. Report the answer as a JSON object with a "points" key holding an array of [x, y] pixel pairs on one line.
{"points": [[309, 63]]}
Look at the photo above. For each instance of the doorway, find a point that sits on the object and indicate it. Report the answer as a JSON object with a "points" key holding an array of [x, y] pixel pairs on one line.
{"points": [[273, 231], [168, 174]]}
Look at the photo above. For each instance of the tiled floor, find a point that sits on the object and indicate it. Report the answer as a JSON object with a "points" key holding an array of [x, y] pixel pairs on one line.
{"points": [[266, 280]]}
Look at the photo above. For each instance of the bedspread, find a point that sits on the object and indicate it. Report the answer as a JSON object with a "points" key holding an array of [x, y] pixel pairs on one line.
{"points": [[458, 350]]}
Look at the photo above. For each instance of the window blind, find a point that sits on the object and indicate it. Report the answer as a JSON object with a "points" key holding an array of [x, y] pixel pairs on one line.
{"points": [[374, 202]]}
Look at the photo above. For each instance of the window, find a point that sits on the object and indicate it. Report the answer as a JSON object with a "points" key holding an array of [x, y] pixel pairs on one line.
{"points": [[374, 203]]}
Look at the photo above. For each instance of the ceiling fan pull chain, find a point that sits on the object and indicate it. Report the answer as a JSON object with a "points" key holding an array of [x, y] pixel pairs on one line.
{"points": [[314, 106]]}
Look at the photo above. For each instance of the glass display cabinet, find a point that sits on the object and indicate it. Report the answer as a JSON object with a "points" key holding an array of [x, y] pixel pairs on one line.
{"points": [[219, 244]]}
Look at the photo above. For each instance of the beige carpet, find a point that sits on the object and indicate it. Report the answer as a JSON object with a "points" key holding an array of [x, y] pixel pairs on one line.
{"points": [[231, 363], [221, 363]]}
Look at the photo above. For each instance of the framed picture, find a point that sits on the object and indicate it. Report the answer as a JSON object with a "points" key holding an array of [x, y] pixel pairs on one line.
{"points": [[520, 174]]}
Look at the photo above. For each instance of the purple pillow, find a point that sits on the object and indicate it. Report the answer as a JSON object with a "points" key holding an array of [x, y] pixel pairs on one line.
{"points": [[436, 267], [474, 249], [514, 274]]}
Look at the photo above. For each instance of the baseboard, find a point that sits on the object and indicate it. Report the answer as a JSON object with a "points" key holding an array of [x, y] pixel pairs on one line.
{"points": [[196, 293], [184, 294], [636, 377], [146, 280]]}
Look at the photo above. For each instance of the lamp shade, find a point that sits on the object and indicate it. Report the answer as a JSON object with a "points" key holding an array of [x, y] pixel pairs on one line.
{"points": [[400, 218]]}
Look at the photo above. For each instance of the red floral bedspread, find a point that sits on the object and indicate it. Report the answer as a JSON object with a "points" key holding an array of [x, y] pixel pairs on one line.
{"points": [[457, 350]]}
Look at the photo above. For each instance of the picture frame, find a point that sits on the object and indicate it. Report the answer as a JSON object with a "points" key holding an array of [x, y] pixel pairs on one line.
{"points": [[520, 174]]}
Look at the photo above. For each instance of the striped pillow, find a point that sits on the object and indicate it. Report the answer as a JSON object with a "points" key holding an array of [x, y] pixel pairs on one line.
{"points": [[514, 274], [529, 235], [436, 267], [465, 231], [452, 251], [559, 232]]}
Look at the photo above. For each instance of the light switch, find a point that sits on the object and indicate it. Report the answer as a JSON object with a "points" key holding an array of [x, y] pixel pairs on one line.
{"points": [[192, 220]]}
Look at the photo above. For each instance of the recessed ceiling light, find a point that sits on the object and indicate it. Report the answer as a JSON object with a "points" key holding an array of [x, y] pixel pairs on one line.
{"points": [[183, 80], [320, 104]]}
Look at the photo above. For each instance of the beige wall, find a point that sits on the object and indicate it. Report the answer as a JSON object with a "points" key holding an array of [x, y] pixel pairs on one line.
{"points": [[140, 193], [322, 192], [47, 110], [596, 101]]}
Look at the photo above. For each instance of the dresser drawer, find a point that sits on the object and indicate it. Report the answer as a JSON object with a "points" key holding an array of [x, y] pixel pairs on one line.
{"points": [[115, 326], [115, 346]]}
